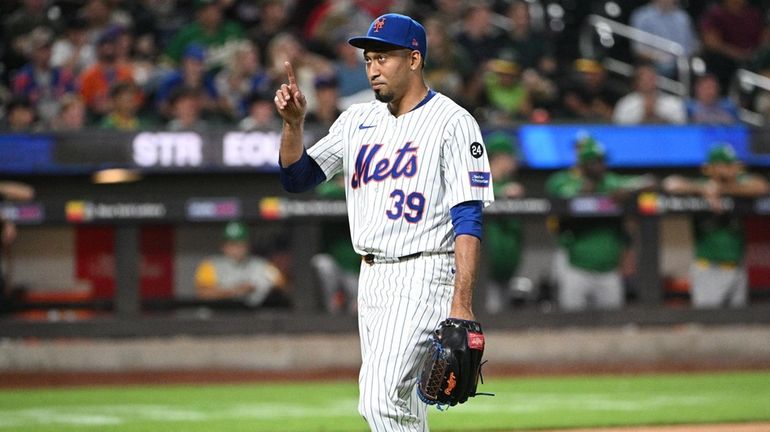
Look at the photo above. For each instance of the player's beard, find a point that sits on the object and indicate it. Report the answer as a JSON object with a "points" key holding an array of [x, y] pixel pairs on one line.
{"points": [[383, 97]]}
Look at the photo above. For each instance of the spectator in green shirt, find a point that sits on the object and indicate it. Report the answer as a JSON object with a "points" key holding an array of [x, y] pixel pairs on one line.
{"points": [[507, 96], [588, 275], [718, 276], [503, 235], [209, 30]]}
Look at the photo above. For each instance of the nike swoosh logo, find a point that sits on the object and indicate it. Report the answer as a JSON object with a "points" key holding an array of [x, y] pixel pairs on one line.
{"points": [[361, 126]]}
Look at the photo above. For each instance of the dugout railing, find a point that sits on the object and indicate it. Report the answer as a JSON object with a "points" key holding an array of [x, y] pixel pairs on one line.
{"points": [[129, 315], [206, 179]]}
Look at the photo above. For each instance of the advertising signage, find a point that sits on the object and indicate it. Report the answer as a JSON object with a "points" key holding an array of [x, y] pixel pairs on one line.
{"points": [[545, 147], [649, 146]]}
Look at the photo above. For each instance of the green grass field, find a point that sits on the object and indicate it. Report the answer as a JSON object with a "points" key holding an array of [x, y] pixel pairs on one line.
{"points": [[520, 403]]}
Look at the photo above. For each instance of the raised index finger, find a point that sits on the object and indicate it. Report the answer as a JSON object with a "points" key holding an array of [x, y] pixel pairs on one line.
{"points": [[290, 73]]}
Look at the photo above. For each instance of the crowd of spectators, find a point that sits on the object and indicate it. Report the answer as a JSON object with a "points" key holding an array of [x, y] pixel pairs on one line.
{"points": [[194, 64]]}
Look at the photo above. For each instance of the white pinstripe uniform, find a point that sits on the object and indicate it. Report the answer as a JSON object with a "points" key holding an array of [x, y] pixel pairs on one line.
{"points": [[403, 175]]}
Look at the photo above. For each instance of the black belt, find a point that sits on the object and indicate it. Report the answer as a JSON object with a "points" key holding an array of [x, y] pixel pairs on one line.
{"points": [[369, 258]]}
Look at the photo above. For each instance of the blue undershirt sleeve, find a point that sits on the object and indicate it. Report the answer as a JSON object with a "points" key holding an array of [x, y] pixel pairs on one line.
{"points": [[302, 175], [466, 218]]}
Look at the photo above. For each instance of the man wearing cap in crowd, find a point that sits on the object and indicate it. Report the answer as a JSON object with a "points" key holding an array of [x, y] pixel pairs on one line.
{"points": [[503, 236], [38, 81], [97, 80], [718, 277], [506, 95], [236, 274], [593, 247], [191, 74], [589, 93]]}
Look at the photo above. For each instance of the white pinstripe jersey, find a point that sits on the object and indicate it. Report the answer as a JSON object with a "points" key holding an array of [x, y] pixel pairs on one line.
{"points": [[403, 174]]}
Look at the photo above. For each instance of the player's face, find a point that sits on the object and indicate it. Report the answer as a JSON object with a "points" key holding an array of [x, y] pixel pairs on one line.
{"points": [[387, 72], [235, 250], [594, 169], [723, 171]]}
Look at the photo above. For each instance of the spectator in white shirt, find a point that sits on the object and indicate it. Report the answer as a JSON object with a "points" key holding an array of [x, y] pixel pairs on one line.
{"points": [[647, 104]]}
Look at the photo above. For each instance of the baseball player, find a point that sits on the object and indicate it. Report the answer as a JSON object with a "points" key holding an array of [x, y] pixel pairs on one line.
{"points": [[337, 264], [503, 236], [416, 179], [237, 274], [718, 276], [588, 271]]}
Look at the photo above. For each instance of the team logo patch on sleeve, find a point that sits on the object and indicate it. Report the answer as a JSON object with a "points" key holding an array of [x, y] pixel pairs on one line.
{"points": [[479, 178]]}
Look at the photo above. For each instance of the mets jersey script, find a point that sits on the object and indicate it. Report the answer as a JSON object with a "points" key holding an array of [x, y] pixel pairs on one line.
{"points": [[403, 174]]}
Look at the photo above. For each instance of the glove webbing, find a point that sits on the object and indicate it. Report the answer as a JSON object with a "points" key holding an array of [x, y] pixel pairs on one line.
{"points": [[440, 363], [436, 374]]}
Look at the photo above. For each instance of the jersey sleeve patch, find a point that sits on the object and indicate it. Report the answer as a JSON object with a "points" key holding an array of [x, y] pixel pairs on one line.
{"points": [[477, 149], [479, 178]]}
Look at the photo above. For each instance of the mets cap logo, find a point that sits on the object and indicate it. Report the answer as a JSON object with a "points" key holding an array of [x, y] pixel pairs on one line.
{"points": [[379, 24], [415, 43]]}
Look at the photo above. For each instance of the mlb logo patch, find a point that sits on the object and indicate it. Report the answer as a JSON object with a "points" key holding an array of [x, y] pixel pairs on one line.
{"points": [[479, 178]]}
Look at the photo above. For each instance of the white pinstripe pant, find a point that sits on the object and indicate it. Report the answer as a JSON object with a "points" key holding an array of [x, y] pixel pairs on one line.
{"points": [[399, 305]]}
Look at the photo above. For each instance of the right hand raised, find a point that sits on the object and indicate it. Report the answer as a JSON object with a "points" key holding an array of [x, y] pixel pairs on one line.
{"points": [[289, 101]]}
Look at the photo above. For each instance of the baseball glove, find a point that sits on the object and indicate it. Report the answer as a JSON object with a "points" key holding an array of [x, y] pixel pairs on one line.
{"points": [[451, 372]]}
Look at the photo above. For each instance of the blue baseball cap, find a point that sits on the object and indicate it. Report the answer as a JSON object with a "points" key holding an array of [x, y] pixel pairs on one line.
{"points": [[110, 35], [395, 30], [195, 51]]}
